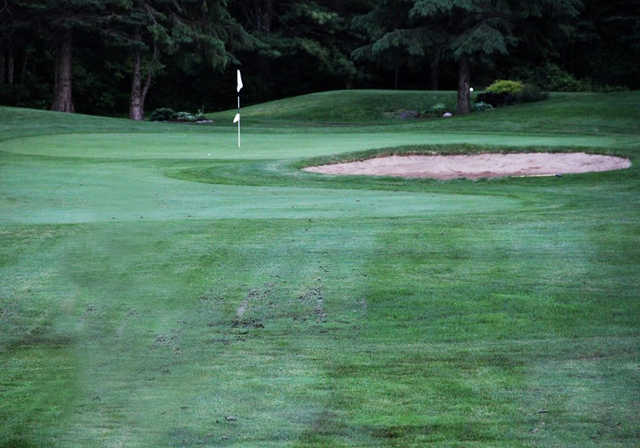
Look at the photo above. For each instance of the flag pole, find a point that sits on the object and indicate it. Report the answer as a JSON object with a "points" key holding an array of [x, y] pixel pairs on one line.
{"points": [[238, 119]]}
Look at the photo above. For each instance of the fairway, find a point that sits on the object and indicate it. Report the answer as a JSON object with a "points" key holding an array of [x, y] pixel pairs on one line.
{"points": [[161, 287]]}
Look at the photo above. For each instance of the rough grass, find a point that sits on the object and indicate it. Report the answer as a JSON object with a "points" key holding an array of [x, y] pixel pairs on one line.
{"points": [[160, 287]]}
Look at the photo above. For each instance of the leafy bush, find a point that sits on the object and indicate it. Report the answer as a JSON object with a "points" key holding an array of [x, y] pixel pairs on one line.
{"points": [[558, 80], [438, 108], [531, 93], [496, 99], [505, 86], [552, 78], [163, 114], [168, 114], [185, 116], [435, 111], [481, 107], [506, 92]]}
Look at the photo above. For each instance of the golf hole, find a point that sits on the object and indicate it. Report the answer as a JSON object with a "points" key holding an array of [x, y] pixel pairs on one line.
{"points": [[476, 166]]}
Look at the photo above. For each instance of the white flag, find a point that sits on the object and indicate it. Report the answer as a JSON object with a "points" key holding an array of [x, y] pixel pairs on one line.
{"points": [[239, 87], [236, 118]]}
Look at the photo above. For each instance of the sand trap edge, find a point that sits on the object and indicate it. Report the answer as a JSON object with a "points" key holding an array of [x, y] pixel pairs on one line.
{"points": [[476, 166]]}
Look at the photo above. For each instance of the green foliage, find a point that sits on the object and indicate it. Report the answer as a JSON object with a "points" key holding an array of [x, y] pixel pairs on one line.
{"points": [[189, 117], [551, 77], [556, 79], [321, 44], [505, 86], [438, 109], [505, 92], [168, 114], [481, 106], [531, 93], [163, 114]]}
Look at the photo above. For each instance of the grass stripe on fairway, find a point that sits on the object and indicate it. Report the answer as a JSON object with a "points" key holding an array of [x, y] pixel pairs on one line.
{"points": [[161, 288]]}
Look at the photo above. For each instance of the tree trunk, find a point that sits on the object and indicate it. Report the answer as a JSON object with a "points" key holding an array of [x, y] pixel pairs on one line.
{"points": [[23, 71], [11, 65], [136, 102], [62, 95], [434, 73], [138, 91], [263, 10], [3, 67], [396, 73], [464, 97], [267, 16]]}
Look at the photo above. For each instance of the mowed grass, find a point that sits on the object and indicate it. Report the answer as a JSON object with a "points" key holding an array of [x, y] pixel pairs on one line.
{"points": [[161, 287]]}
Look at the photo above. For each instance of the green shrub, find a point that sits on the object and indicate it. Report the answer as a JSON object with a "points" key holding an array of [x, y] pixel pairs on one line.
{"points": [[506, 92], [481, 106], [185, 116], [505, 86], [558, 80], [531, 93], [163, 114], [438, 108], [552, 78], [435, 111]]}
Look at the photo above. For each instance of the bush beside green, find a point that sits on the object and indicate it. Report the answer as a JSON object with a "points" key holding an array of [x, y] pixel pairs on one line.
{"points": [[481, 106], [531, 93], [505, 86], [556, 79], [163, 114], [168, 114], [506, 92], [438, 108], [553, 78]]}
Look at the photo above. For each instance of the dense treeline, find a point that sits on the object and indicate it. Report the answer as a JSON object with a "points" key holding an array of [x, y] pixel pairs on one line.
{"points": [[110, 56]]}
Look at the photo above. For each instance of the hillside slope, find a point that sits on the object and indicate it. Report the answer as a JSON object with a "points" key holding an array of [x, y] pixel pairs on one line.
{"points": [[590, 113]]}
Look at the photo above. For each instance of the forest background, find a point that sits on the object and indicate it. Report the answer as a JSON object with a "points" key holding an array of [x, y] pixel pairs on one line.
{"points": [[125, 57]]}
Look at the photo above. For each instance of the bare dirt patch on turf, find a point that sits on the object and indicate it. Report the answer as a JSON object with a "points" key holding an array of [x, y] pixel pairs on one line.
{"points": [[475, 166]]}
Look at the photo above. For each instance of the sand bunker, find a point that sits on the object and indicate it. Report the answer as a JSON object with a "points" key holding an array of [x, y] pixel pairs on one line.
{"points": [[475, 166]]}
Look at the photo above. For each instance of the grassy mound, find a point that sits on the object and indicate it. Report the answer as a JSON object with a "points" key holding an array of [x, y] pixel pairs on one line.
{"points": [[345, 106], [572, 113]]}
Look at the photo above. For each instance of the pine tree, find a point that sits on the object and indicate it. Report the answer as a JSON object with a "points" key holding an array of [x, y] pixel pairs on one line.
{"points": [[307, 41], [183, 30], [395, 40], [59, 21], [467, 32]]}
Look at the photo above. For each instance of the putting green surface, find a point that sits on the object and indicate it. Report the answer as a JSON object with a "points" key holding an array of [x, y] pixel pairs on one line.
{"points": [[257, 145], [161, 287]]}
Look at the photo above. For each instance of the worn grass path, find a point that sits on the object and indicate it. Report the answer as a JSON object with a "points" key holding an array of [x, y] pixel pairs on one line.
{"points": [[160, 287]]}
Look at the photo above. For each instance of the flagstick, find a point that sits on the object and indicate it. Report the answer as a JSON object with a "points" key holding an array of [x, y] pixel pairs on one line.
{"points": [[238, 89]]}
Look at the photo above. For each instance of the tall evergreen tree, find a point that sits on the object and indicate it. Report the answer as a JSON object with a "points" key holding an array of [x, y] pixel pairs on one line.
{"points": [[467, 32], [59, 21], [153, 30], [605, 43], [308, 41], [395, 40]]}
